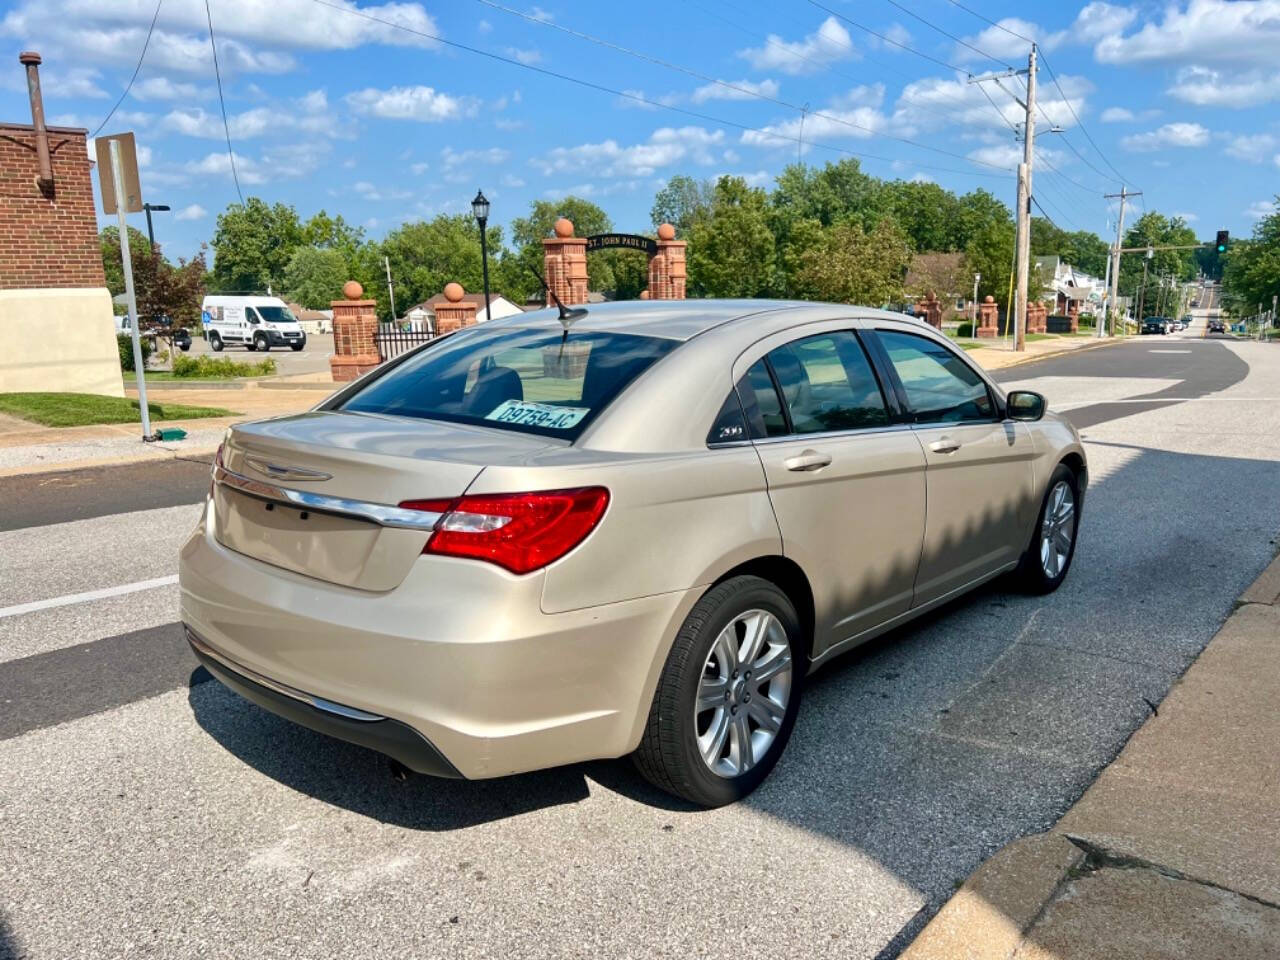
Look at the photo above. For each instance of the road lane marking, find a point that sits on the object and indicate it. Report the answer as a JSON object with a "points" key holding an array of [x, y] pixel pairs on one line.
{"points": [[67, 599], [1168, 351]]}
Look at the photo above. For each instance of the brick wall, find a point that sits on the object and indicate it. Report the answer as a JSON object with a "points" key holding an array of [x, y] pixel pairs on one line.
{"points": [[47, 241]]}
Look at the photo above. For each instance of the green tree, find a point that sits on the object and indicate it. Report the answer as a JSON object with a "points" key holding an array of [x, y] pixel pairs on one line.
{"points": [[1251, 273], [990, 253], [527, 234], [252, 245], [927, 213], [979, 210], [314, 276], [1154, 229], [425, 255], [848, 265], [731, 252], [163, 289], [332, 233], [113, 260], [681, 203]]}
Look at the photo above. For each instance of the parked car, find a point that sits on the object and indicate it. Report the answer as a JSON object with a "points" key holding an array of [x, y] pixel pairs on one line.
{"points": [[155, 328], [1217, 326], [1154, 325], [528, 544], [254, 322]]}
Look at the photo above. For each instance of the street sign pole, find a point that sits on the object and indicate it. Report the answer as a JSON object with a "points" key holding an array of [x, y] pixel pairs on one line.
{"points": [[117, 177]]}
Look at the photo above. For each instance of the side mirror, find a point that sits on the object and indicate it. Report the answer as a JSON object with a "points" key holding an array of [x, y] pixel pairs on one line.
{"points": [[1026, 405]]}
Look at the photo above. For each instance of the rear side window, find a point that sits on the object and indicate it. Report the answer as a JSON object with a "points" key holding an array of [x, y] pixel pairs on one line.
{"points": [[531, 381], [828, 384]]}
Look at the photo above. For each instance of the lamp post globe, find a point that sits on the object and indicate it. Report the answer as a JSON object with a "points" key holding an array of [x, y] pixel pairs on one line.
{"points": [[480, 210]]}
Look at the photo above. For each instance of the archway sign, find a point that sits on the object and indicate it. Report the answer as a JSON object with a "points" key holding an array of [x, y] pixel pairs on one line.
{"points": [[565, 261], [624, 241]]}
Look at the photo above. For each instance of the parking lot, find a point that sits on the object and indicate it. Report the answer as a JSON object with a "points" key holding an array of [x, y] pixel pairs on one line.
{"points": [[146, 811], [313, 358]]}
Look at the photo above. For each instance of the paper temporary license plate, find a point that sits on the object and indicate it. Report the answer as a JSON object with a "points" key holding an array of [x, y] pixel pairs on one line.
{"points": [[537, 414]]}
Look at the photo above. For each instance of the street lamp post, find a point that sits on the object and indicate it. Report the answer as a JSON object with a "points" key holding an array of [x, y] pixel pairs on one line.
{"points": [[480, 210], [159, 207]]}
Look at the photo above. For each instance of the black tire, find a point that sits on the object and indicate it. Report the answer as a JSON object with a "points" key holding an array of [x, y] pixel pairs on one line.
{"points": [[296, 347], [261, 343], [215, 343], [1031, 570], [668, 754]]}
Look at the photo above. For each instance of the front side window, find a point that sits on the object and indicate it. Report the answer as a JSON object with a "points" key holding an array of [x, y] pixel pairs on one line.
{"points": [[532, 381], [276, 314], [828, 384], [940, 387]]}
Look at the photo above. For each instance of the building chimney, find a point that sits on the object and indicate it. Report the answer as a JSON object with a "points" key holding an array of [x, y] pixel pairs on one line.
{"points": [[31, 60]]}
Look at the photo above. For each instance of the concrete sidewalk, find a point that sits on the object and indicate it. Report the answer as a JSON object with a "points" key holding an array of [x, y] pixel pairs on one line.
{"points": [[1174, 852], [999, 355]]}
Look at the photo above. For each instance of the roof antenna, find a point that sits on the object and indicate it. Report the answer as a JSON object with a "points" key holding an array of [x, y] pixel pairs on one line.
{"points": [[567, 314]]}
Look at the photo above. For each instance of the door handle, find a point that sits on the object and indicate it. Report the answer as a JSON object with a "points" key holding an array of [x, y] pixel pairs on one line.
{"points": [[807, 460], [945, 445]]}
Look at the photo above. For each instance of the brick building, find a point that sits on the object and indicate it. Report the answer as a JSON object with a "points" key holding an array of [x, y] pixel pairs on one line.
{"points": [[56, 328]]}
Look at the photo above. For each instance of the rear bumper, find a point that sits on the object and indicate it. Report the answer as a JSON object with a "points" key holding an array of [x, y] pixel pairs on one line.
{"points": [[390, 737], [459, 654]]}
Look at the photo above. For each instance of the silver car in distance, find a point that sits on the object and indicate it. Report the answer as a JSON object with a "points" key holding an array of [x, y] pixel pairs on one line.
{"points": [[529, 544]]}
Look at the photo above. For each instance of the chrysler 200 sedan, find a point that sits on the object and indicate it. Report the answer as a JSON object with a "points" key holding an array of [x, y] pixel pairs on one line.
{"points": [[633, 531]]}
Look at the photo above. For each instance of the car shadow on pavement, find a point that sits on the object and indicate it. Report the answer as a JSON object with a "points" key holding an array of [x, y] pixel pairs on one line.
{"points": [[9, 948], [361, 780]]}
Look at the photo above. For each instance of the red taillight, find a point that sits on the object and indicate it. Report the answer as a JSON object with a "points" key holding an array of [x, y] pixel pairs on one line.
{"points": [[213, 471], [521, 532]]}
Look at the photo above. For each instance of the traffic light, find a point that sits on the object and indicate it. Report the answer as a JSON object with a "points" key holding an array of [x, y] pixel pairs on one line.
{"points": [[1222, 241]]}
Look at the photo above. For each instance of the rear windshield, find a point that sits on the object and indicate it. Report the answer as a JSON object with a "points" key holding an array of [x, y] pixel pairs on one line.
{"points": [[533, 381]]}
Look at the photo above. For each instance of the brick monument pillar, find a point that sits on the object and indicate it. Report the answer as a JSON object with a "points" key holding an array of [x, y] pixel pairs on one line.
{"points": [[1073, 314], [988, 318], [667, 267], [1036, 314], [565, 264], [931, 310], [355, 321], [456, 313]]}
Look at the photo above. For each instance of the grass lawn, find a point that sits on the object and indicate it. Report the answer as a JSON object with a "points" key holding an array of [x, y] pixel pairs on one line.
{"points": [[80, 409]]}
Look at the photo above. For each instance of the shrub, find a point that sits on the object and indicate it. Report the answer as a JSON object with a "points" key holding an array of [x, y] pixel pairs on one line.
{"points": [[124, 343], [965, 329], [205, 366]]}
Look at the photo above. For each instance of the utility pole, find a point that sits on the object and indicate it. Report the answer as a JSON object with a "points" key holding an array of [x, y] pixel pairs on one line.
{"points": [[386, 262], [1113, 301], [1022, 241], [973, 309], [1024, 203]]}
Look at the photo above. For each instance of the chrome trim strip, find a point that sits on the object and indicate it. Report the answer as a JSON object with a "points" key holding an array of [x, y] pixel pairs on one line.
{"points": [[832, 434], [277, 472], [380, 513], [328, 706]]}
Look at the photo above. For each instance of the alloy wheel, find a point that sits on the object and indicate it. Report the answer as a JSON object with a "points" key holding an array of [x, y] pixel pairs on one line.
{"points": [[1058, 529], [743, 693]]}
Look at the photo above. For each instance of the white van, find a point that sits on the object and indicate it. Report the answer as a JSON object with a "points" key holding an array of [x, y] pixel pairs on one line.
{"points": [[254, 322]]}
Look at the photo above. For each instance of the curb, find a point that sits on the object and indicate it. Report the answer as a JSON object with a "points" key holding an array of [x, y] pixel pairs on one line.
{"points": [[1056, 354], [242, 384], [991, 913], [151, 455]]}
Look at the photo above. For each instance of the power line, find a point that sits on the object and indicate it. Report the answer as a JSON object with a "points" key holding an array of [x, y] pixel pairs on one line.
{"points": [[889, 40], [129, 86], [706, 78], [226, 127], [639, 98], [998, 26], [949, 36], [1045, 214], [1080, 123]]}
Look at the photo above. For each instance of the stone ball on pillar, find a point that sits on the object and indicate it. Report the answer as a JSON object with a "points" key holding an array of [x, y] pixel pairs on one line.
{"points": [[644, 294], [988, 299], [930, 295], [352, 290], [453, 292], [666, 232], [564, 228]]}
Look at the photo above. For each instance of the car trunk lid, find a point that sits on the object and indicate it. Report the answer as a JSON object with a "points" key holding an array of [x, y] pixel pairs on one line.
{"points": [[317, 493]]}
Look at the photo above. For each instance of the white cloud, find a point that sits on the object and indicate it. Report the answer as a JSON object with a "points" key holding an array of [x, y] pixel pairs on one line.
{"points": [[419, 103], [1094, 22], [524, 56], [484, 26], [511, 181], [418, 169], [459, 165], [829, 43], [162, 88], [1216, 31], [219, 164], [315, 101], [539, 14], [898, 34], [1263, 208], [608, 158], [592, 189], [244, 126], [1188, 217], [1252, 148], [192, 212], [144, 155], [1169, 135], [1117, 115], [1009, 155], [1206, 87], [855, 113], [735, 90], [966, 106]]}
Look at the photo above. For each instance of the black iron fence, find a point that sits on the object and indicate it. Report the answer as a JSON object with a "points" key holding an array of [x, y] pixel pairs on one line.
{"points": [[400, 337]]}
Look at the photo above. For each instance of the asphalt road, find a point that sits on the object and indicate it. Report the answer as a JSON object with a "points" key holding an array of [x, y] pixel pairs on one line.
{"points": [[147, 812]]}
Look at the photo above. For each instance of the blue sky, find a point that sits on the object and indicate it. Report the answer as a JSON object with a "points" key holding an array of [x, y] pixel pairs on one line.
{"points": [[330, 109]]}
